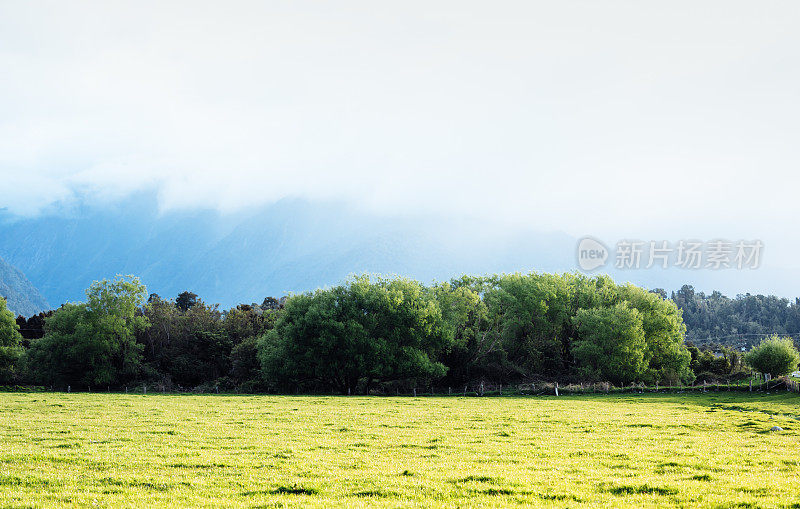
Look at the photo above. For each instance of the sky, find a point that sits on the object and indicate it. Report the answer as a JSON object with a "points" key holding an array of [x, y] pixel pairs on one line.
{"points": [[656, 120]]}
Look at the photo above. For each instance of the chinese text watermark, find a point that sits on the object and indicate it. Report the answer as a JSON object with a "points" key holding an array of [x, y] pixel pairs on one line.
{"points": [[714, 254]]}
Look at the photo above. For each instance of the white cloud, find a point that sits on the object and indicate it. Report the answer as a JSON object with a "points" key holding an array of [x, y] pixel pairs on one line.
{"points": [[612, 118]]}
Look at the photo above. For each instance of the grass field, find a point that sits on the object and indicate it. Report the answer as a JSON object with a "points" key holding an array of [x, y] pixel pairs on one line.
{"points": [[712, 450]]}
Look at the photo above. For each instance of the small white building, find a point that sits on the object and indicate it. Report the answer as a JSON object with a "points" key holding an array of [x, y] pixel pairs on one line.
{"points": [[796, 374]]}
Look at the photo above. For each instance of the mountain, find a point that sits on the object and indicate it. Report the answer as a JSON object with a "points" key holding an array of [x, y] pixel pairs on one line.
{"points": [[297, 245], [289, 246], [22, 297]]}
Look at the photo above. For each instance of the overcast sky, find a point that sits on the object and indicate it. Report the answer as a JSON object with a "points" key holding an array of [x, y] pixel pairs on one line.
{"points": [[618, 119]]}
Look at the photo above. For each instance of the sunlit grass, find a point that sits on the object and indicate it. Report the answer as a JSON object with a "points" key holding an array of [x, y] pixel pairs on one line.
{"points": [[712, 450]]}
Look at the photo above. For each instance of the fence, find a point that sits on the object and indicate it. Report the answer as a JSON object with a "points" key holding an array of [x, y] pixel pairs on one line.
{"points": [[765, 384], [758, 383]]}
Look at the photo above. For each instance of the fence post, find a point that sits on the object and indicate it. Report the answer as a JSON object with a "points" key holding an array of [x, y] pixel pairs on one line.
{"points": [[465, 391], [415, 392], [449, 391], [556, 388], [501, 389], [69, 388], [481, 388], [751, 385]]}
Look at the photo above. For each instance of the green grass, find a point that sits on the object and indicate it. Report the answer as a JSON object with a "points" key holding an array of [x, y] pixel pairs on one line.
{"points": [[712, 450]]}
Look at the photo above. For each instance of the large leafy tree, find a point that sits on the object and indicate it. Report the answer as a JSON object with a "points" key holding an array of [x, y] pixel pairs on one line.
{"points": [[667, 357], [357, 334], [612, 344], [774, 355], [10, 350], [533, 315], [93, 343]]}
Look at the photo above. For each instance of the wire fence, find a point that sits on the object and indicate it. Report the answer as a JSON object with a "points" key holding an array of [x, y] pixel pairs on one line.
{"points": [[760, 385], [756, 384]]}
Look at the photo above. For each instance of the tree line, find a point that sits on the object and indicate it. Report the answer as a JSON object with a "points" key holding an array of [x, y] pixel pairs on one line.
{"points": [[366, 335], [716, 321]]}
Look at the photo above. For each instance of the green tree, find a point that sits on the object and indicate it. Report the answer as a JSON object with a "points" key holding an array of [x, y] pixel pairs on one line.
{"points": [[774, 355], [612, 344], [245, 367], [664, 331], [191, 347], [204, 346], [10, 349], [532, 314], [477, 350], [244, 325], [186, 301], [248, 321], [93, 343], [357, 334]]}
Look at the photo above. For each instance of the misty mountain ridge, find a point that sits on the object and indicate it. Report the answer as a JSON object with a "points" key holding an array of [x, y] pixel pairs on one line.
{"points": [[294, 246], [289, 246]]}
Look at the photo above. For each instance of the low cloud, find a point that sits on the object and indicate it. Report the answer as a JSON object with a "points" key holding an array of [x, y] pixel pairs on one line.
{"points": [[612, 118]]}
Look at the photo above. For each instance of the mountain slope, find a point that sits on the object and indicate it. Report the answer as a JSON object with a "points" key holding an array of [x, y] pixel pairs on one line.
{"points": [[290, 246], [23, 298], [295, 246]]}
